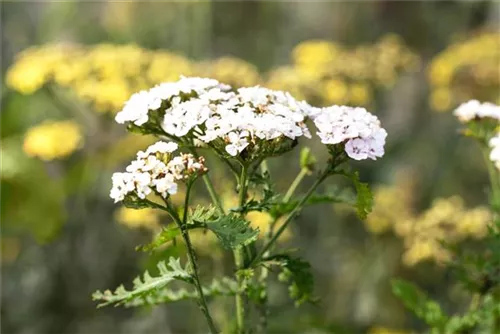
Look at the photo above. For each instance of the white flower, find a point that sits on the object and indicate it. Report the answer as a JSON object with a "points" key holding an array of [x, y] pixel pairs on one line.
{"points": [[135, 109], [474, 109], [356, 127], [206, 110], [494, 143], [150, 172], [238, 143], [160, 147], [166, 185]]}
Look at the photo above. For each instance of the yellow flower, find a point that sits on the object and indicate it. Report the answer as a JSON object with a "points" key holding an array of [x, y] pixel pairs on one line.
{"points": [[421, 250], [147, 218], [230, 70], [262, 221], [52, 139], [335, 91], [441, 99], [359, 94]]}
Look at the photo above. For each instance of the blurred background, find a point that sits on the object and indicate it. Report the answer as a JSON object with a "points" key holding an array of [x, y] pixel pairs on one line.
{"points": [[67, 68]]}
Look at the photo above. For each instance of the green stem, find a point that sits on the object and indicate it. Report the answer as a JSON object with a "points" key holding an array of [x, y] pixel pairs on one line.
{"points": [[303, 172], [289, 218], [209, 185], [202, 303], [239, 259]]}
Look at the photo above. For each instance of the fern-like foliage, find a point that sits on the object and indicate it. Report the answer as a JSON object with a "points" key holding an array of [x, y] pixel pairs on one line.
{"points": [[297, 274], [145, 286], [232, 231], [222, 287], [418, 302]]}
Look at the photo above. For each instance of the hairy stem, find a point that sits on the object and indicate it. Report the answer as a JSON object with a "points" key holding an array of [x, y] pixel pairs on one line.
{"points": [[202, 303], [239, 259], [294, 185], [289, 218]]}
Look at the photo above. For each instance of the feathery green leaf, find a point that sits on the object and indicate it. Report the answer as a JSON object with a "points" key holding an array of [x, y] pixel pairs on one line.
{"points": [[145, 286]]}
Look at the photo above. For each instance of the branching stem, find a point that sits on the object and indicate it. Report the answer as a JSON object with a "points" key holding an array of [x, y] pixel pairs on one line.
{"points": [[289, 218]]}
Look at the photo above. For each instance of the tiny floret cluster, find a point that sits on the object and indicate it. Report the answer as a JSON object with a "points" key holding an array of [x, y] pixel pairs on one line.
{"points": [[207, 110], [474, 109], [249, 122], [358, 129], [156, 171], [494, 143]]}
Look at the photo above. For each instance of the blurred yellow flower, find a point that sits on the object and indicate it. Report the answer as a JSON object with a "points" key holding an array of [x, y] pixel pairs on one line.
{"points": [[34, 67], [441, 99], [52, 139], [139, 218], [447, 219], [467, 69], [359, 94], [262, 221], [335, 91], [229, 70]]}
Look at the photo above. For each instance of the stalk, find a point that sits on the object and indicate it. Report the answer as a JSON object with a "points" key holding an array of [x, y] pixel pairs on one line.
{"points": [[202, 303], [303, 172], [239, 260], [209, 185]]}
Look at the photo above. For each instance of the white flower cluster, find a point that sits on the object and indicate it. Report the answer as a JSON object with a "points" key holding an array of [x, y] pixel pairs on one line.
{"points": [[356, 127], [155, 171], [494, 143], [474, 109], [137, 108], [211, 112]]}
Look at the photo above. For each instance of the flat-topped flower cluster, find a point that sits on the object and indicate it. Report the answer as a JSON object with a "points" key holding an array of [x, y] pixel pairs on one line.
{"points": [[360, 130], [474, 109], [249, 121], [156, 170]]}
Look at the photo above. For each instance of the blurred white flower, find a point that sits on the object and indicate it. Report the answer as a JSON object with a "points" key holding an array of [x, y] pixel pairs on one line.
{"points": [[474, 109], [494, 143]]}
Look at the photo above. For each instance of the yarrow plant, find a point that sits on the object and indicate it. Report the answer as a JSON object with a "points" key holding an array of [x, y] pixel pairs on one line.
{"points": [[476, 269], [243, 127]]}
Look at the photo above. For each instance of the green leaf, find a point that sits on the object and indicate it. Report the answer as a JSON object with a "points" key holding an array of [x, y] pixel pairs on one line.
{"points": [[166, 235], [269, 199], [145, 286], [233, 231], [334, 195], [202, 213], [223, 287], [364, 199], [418, 302], [297, 273]]}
